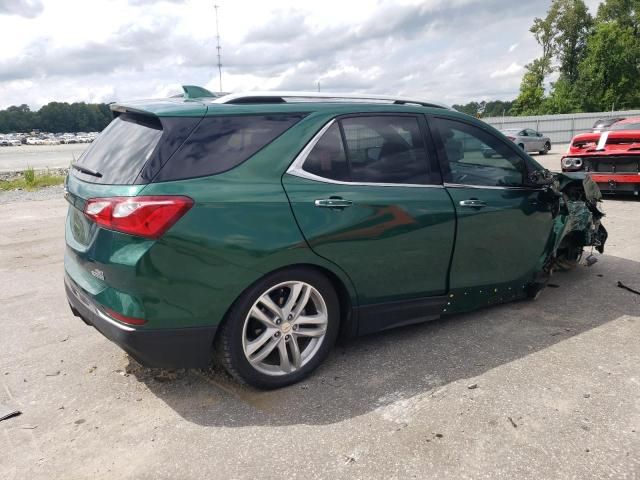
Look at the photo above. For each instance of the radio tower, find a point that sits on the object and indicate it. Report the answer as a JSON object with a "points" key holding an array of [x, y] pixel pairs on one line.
{"points": [[218, 47]]}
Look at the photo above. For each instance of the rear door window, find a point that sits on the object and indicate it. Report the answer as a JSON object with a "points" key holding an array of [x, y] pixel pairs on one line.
{"points": [[221, 143], [327, 159], [121, 150], [380, 149], [386, 149]]}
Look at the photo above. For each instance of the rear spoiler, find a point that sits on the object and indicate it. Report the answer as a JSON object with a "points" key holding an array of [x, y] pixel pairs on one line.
{"points": [[168, 107]]}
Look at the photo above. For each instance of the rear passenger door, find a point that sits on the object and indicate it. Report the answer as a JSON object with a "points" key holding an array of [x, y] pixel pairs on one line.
{"points": [[368, 197]]}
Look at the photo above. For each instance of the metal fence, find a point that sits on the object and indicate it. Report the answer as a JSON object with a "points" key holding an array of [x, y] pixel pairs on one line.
{"points": [[560, 128]]}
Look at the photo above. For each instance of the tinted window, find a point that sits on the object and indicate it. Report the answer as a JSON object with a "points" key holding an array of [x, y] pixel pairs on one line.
{"points": [[221, 143], [121, 150], [386, 149], [470, 155], [532, 133], [327, 159]]}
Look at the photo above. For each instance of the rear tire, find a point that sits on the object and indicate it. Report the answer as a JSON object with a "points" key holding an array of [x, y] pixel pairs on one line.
{"points": [[280, 329], [521, 146]]}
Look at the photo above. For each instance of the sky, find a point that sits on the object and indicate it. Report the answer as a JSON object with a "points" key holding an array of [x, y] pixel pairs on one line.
{"points": [[449, 51]]}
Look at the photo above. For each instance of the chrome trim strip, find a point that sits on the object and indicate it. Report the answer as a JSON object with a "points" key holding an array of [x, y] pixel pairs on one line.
{"points": [[302, 156], [310, 176], [296, 167], [120, 326], [91, 306], [486, 187]]}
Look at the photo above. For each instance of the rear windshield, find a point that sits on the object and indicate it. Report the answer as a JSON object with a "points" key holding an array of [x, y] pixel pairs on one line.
{"points": [[221, 143], [120, 151]]}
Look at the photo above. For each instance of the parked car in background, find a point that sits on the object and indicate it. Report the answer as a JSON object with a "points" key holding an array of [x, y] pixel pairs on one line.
{"points": [[528, 140], [604, 123], [612, 157], [259, 227], [9, 141]]}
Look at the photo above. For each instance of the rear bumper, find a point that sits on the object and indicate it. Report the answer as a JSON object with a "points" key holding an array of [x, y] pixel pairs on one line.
{"points": [[164, 348]]}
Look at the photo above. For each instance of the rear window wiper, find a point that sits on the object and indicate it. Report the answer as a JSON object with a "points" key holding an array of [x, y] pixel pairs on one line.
{"points": [[86, 170]]}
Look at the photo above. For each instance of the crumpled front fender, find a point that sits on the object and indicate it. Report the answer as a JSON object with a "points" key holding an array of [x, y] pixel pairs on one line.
{"points": [[577, 222]]}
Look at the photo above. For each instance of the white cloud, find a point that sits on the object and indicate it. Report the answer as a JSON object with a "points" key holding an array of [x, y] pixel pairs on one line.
{"points": [[109, 50], [511, 70]]}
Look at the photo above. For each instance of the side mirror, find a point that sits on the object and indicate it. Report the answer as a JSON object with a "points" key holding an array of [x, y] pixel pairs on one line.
{"points": [[540, 177]]}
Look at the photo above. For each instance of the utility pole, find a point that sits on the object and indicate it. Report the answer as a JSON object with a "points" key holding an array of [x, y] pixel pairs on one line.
{"points": [[218, 47]]}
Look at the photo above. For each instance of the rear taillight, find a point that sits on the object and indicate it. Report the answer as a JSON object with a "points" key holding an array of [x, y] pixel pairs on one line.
{"points": [[511, 138], [149, 216]]}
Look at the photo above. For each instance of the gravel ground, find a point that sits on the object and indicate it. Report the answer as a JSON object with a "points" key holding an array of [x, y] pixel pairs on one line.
{"points": [[46, 193], [530, 390]]}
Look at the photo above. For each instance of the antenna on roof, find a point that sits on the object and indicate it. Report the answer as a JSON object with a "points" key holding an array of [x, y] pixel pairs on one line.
{"points": [[218, 47]]}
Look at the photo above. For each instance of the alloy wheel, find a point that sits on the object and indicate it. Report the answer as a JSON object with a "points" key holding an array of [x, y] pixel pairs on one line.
{"points": [[284, 328]]}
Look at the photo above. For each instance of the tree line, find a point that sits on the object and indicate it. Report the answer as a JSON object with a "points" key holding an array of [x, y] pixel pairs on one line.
{"points": [[56, 117], [594, 62]]}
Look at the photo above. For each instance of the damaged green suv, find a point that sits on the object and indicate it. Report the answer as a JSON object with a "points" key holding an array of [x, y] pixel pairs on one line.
{"points": [[258, 228]]}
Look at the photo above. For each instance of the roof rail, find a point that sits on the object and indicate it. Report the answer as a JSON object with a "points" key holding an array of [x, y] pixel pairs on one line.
{"points": [[295, 97]]}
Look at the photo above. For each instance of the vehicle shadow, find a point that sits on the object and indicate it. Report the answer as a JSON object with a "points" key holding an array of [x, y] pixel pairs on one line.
{"points": [[368, 373]]}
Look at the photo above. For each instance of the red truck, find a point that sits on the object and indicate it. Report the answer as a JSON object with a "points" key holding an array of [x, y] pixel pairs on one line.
{"points": [[611, 157]]}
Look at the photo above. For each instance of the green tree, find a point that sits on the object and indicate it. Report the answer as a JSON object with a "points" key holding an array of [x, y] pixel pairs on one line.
{"points": [[572, 24], [609, 75], [470, 108], [563, 98], [56, 117], [17, 119], [531, 98]]}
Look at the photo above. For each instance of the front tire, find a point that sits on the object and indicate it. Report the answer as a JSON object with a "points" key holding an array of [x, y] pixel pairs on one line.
{"points": [[280, 329], [546, 149]]}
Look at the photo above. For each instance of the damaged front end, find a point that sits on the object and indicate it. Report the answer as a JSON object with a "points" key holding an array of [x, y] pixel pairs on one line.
{"points": [[575, 200]]}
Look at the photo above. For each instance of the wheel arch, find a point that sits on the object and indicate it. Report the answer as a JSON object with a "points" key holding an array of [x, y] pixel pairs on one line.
{"points": [[345, 291]]}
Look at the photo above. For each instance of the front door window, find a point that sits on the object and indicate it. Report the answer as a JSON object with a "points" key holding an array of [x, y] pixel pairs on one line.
{"points": [[471, 156]]}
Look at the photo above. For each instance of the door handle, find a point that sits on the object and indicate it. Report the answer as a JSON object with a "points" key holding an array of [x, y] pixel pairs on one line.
{"points": [[333, 203], [473, 203]]}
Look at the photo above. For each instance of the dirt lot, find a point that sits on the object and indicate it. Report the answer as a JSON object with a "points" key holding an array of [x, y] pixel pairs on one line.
{"points": [[40, 157], [543, 389]]}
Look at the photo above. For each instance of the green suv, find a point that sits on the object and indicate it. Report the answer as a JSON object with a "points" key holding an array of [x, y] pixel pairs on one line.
{"points": [[258, 228]]}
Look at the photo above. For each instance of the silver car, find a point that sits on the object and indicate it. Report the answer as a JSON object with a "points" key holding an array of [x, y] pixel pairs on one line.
{"points": [[529, 140]]}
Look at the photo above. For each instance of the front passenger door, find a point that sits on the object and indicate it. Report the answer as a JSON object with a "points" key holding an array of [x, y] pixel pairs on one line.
{"points": [[503, 223]]}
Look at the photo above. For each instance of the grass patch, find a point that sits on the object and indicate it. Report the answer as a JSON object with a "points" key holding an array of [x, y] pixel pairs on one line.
{"points": [[31, 180]]}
